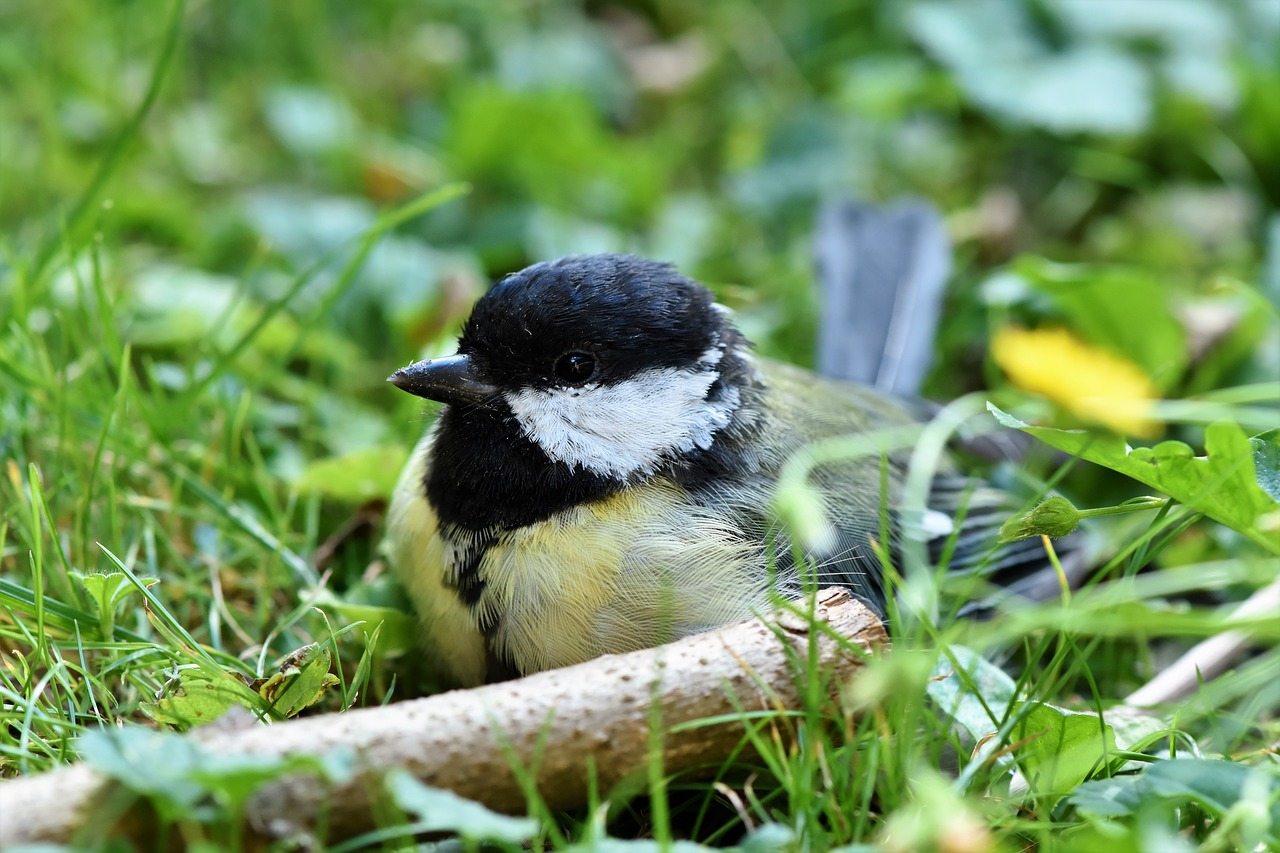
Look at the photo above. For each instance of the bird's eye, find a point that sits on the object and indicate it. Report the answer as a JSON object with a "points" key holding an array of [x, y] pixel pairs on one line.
{"points": [[576, 366]]}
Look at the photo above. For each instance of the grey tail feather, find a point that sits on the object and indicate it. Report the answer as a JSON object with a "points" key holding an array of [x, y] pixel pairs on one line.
{"points": [[883, 271]]}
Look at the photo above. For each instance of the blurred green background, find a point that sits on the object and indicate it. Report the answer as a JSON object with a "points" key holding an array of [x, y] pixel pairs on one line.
{"points": [[196, 319], [1145, 131]]}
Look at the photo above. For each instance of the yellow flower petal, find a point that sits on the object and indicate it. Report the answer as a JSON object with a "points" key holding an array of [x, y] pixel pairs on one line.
{"points": [[1093, 384]]}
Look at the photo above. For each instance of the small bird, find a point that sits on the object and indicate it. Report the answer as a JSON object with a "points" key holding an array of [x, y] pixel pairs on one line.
{"points": [[600, 478]]}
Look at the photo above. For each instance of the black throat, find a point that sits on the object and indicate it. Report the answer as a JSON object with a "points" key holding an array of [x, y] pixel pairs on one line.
{"points": [[484, 474]]}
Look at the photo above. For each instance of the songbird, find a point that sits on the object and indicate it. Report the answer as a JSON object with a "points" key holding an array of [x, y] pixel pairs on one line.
{"points": [[601, 476]]}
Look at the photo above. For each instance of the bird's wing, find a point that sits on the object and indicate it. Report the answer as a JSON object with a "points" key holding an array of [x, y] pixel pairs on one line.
{"points": [[862, 495]]}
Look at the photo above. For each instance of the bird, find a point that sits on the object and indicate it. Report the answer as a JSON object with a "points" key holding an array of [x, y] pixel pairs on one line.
{"points": [[600, 477]]}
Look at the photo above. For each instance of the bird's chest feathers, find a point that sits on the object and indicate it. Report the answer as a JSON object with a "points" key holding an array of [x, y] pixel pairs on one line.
{"points": [[568, 562], [563, 569], [630, 571]]}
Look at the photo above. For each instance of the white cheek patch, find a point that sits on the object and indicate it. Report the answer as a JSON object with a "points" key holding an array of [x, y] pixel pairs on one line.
{"points": [[624, 429]]}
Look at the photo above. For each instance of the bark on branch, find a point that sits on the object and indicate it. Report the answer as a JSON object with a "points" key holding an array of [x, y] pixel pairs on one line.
{"points": [[463, 740]]}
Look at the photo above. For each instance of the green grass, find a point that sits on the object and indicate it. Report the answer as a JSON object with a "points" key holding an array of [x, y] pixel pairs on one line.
{"points": [[221, 227]]}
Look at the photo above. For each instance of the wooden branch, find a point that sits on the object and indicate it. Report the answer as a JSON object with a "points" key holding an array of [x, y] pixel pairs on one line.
{"points": [[463, 741], [1207, 659]]}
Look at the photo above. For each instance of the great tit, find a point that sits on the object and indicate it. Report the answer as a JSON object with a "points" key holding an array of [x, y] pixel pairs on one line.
{"points": [[600, 478]]}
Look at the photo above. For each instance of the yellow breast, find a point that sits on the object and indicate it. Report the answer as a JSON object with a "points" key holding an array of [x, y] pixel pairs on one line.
{"points": [[630, 571]]}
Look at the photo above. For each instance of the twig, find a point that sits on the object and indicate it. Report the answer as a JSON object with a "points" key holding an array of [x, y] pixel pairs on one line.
{"points": [[1207, 659], [466, 740]]}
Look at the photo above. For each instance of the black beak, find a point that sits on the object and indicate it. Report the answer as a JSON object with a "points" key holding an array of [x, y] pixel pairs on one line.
{"points": [[452, 379]]}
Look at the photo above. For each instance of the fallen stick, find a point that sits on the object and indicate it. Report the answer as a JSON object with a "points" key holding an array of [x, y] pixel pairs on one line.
{"points": [[1207, 659], [465, 741]]}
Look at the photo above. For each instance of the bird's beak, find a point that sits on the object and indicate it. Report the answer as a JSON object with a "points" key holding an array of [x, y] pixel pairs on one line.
{"points": [[452, 379]]}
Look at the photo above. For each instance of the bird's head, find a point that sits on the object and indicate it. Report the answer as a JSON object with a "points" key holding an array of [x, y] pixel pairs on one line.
{"points": [[610, 364]]}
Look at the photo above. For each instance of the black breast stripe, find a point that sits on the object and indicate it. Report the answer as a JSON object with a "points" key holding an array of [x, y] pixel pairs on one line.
{"points": [[467, 581], [465, 578]]}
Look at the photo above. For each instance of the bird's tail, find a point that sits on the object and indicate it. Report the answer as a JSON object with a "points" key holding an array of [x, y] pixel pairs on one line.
{"points": [[882, 271]]}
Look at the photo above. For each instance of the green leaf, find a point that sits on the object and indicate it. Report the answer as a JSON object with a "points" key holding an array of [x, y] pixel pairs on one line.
{"points": [[302, 680], [1266, 461], [650, 845], [1223, 484], [176, 774], [199, 697], [232, 777], [1063, 748], [107, 589], [768, 838], [355, 477], [1118, 796], [1216, 786], [398, 628], [992, 48], [1135, 728], [1253, 324], [172, 305], [155, 764], [57, 614], [565, 151], [976, 696], [445, 811]]}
